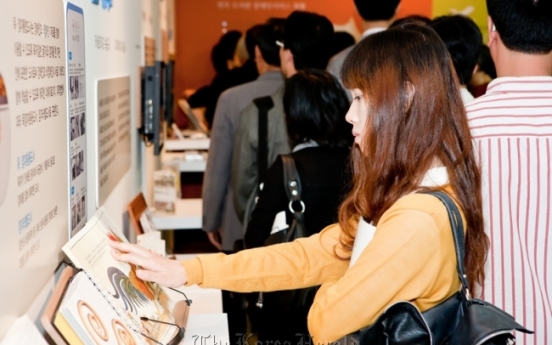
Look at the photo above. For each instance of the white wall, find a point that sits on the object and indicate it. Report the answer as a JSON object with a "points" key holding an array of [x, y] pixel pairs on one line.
{"points": [[123, 26]]}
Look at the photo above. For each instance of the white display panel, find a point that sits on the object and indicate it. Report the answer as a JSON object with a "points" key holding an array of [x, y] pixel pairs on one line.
{"points": [[113, 134], [77, 116], [112, 47], [33, 150]]}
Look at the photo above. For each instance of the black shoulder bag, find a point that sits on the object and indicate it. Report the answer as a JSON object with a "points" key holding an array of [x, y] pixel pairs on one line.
{"points": [[299, 298], [459, 320], [292, 185]]}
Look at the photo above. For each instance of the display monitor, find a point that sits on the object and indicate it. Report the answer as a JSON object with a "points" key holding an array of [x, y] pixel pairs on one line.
{"points": [[153, 117], [168, 89]]}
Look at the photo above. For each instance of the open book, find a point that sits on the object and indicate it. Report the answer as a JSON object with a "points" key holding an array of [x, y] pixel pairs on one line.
{"points": [[85, 316], [132, 297]]}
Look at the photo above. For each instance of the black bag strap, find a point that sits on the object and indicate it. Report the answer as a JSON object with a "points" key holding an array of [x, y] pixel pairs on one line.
{"points": [[264, 104], [292, 183], [458, 235]]}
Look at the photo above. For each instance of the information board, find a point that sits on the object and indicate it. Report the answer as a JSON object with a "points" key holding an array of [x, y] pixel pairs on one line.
{"points": [[113, 133], [33, 150]]}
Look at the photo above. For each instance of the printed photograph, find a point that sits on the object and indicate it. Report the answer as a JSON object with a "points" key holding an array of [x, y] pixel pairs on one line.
{"points": [[77, 165]]}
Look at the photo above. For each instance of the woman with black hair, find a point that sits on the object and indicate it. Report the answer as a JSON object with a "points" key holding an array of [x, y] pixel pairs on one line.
{"points": [[315, 106]]}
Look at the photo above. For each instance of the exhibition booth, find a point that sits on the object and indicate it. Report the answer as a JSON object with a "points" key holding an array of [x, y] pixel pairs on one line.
{"points": [[89, 151]]}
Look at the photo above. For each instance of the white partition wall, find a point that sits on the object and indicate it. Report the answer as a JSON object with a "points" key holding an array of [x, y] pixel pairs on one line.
{"points": [[33, 150], [37, 104]]}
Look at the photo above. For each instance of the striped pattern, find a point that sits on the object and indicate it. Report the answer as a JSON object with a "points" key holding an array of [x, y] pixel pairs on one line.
{"points": [[512, 128]]}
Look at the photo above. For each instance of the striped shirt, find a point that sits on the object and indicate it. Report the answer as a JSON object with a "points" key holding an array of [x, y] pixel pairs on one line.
{"points": [[512, 127]]}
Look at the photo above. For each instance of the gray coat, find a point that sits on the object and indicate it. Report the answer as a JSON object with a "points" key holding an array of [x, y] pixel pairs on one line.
{"points": [[244, 160], [218, 201]]}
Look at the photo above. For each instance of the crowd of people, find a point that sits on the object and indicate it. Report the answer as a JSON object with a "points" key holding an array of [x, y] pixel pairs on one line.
{"points": [[416, 105]]}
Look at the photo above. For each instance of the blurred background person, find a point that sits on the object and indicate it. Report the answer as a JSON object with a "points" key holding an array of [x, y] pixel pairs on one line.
{"points": [[376, 16], [342, 40], [463, 40], [307, 43], [423, 20], [485, 72], [219, 218], [220, 221], [226, 62]]}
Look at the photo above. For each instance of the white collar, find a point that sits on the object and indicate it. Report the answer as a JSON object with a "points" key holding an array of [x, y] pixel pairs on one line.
{"points": [[371, 32], [435, 177], [466, 95], [365, 231], [310, 143]]}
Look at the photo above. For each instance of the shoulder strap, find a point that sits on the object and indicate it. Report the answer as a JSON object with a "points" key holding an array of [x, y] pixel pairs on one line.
{"points": [[292, 185], [292, 182], [264, 104], [457, 234]]}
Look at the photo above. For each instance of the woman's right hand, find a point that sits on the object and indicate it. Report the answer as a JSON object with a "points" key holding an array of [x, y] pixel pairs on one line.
{"points": [[150, 266]]}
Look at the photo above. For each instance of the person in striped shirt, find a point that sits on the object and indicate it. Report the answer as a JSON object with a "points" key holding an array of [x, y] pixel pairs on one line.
{"points": [[512, 128]]}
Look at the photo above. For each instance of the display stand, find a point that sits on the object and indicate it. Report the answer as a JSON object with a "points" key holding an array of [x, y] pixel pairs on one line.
{"points": [[69, 335], [47, 318]]}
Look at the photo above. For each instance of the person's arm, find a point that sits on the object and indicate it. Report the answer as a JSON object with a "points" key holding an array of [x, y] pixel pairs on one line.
{"points": [[244, 159], [302, 263], [411, 258], [217, 173], [272, 200]]}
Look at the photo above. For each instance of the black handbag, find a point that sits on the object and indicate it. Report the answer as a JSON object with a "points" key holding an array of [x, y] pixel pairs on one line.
{"points": [[298, 298], [292, 185], [459, 320]]}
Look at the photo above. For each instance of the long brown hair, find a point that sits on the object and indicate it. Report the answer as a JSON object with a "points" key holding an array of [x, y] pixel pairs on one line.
{"points": [[405, 135]]}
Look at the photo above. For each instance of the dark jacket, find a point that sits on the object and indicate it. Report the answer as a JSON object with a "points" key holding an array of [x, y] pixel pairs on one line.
{"points": [[325, 179]]}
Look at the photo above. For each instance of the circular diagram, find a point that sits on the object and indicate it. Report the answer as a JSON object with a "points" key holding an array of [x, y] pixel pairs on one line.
{"points": [[122, 333], [93, 322], [5, 142]]}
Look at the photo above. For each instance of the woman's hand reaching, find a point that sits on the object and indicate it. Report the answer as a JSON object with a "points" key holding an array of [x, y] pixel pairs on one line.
{"points": [[149, 266]]}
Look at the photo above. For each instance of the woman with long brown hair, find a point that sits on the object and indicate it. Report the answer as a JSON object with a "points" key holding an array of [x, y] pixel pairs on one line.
{"points": [[392, 243]]}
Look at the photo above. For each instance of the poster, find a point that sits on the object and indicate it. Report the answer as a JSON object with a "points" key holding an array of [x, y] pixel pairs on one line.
{"points": [[77, 116], [113, 134], [33, 150]]}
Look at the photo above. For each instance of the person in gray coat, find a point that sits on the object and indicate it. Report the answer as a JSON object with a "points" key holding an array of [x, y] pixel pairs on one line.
{"points": [[377, 15], [307, 43], [219, 218]]}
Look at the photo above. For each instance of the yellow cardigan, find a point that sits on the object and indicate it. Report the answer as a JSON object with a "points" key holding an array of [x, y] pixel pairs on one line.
{"points": [[411, 258]]}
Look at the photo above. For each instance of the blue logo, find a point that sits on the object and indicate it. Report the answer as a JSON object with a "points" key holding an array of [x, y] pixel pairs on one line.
{"points": [[72, 190], [95, 2], [70, 56]]}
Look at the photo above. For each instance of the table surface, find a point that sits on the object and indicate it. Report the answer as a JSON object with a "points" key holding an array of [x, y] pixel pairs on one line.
{"points": [[207, 324], [191, 161], [186, 144], [187, 215]]}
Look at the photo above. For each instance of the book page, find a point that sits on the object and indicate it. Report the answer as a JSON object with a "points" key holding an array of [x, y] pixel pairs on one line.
{"points": [[89, 250], [85, 313]]}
